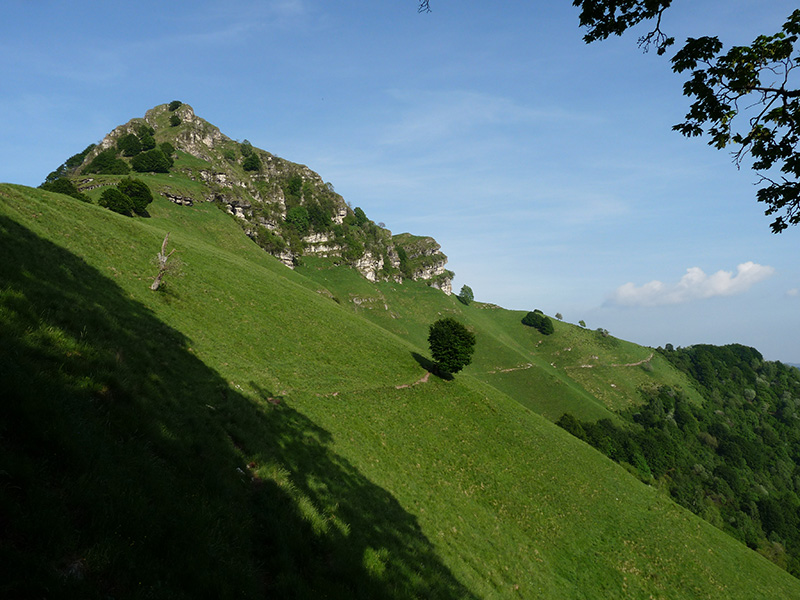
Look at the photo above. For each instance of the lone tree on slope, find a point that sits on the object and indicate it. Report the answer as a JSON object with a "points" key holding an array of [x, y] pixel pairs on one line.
{"points": [[451, 344], [465, 295]]}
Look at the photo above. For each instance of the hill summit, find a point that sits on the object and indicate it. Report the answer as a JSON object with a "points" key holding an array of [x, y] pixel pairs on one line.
{"points": [[285, 207]]}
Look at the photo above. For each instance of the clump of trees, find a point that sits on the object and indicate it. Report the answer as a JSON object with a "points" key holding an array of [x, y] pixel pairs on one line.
{"points": [[152, 161], [63, 185], [128, 197], [734, 460], [451, 345], [107, 163], [539, 321]]}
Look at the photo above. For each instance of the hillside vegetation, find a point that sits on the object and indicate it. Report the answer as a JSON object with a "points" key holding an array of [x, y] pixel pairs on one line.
{"points": [[252, 431]]}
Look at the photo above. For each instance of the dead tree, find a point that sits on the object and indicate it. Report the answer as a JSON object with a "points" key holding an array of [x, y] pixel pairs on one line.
{"points": [[162, 259]]}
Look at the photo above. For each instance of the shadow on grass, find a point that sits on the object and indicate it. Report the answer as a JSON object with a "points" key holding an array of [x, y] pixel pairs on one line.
{"points": [[131, 469], [432, 367]]}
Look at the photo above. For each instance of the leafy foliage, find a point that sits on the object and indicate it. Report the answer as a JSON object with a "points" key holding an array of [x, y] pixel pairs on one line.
{"points": [[63, 185], [735, 460], [741, 98], [174, 105], [360, 216], [167, 148], [297, 218], [129, 144], [252, 163], [174, 120], [107, 163], [451, 344], [152, 161], [114, 200], [539, 321], [465, 295], [76, 159], [137, 193]]}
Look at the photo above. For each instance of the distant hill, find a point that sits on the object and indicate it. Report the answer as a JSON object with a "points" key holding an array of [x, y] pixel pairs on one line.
{"points": [[255, 431]]}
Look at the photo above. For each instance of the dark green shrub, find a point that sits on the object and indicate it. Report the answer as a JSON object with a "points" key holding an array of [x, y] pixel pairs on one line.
{"points": [[148, 142], [129, 145], [292, 189], [64, 186], [76, 159], [252, 163], [174, 120], [320, 220], [269, 241], [113, 199], [297, 218], [360, 216], [174, 105], [538, 321], [451, 344], [246, 148], [167, 148], [152, 161], [60, 172], [138, 194], [107, 163]]}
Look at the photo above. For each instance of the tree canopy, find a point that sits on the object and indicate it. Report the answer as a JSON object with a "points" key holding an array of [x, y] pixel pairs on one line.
{"points": [[744, 98], [466, 295], [451, 344]]}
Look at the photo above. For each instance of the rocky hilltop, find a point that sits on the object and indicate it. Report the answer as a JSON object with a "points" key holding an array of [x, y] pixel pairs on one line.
{"points": [[285, 207]]}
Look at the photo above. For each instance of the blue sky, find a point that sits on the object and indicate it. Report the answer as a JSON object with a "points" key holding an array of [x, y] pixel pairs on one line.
{"points": [[546, 168]]}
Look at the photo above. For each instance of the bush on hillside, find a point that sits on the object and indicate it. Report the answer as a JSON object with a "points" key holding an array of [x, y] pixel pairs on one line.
{"points": [[113, 199], [360, 216], [76, 159], [451, 344], [174, 120], [107, 163], [252, 163], [152, 161], [167, 148], [62, 185], [137, 193], [297, 218], [174, 105], [129, 145], [539, 321]]}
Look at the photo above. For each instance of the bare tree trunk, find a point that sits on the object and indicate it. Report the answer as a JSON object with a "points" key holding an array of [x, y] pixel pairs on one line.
{"points": [[162, 258]]}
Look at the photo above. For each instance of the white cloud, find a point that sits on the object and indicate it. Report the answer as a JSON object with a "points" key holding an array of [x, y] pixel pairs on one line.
{"points": [[793, 293], [695, 285]]}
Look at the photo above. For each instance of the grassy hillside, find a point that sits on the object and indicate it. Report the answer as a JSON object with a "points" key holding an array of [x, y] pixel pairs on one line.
{"points": [[574, 370], [243, 434]]}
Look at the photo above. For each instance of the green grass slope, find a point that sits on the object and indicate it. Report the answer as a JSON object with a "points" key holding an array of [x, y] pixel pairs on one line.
{"points": [[573, 370], [243, 435]]}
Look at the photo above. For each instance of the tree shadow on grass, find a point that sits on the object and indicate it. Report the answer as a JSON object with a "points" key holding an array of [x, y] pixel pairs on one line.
{"points": [[131, 469], [431, 367]]}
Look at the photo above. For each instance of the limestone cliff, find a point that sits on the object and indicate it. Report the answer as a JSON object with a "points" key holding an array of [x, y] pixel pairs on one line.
{"points": [[283, 206]]}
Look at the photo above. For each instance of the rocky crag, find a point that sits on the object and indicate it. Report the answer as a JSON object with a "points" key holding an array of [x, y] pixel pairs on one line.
{"points": [[285, 207]]}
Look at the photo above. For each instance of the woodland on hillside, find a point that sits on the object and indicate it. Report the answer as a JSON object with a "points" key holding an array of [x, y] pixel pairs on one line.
{"points": [[735, 460]]}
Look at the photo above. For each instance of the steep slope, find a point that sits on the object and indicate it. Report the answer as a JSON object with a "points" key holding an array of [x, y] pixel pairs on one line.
{"points": [[243, 434], [574, 370]]}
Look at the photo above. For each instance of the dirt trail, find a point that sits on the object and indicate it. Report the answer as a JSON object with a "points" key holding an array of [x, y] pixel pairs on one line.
{"points": [[636, 364]]}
